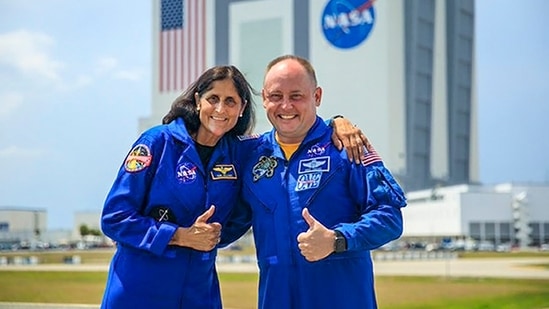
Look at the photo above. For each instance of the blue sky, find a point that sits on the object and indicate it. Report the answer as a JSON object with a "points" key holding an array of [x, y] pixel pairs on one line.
{"points": [[76, 75]]}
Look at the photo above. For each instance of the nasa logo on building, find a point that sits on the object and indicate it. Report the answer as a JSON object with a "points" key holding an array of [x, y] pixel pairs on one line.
{"points": [[347, 23]]}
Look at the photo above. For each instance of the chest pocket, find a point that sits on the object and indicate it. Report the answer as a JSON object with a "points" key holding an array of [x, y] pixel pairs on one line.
{"points": [[266, 221], [224, 186], [177, 194]]}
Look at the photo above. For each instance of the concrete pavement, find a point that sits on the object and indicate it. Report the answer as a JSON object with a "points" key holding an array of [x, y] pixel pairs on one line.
{"points": [[451, 267], [482, 267]]}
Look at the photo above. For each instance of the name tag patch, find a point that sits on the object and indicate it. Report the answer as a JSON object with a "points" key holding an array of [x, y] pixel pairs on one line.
{"points": [[223, 171], [318, 164], [308, 181]]}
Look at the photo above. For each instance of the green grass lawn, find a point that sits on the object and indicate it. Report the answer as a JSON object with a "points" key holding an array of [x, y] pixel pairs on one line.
{"points": [[239, 290], [461, 293]]}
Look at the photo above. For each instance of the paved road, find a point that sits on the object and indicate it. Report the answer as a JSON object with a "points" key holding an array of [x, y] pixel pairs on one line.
{"points": [[497, 268], [485, 267]]}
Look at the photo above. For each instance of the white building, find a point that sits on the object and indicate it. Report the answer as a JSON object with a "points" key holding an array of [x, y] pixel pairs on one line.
{"points": [[91, 219], [502, 214], [403, 71], [22, 225], [27, 228]]}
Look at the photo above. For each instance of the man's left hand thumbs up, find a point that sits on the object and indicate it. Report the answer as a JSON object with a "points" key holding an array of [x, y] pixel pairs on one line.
{"points": [[318, 241]]}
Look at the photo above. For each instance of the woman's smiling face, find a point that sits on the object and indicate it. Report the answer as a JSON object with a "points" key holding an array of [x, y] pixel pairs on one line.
{"points": [[219, 109]]}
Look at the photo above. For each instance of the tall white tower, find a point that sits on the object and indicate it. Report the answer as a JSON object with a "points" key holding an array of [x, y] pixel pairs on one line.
{"points": [[403, 71]]}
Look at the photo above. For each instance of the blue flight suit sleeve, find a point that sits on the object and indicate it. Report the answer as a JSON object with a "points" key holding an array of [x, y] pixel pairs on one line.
{"points": [[240, 219], [380, 199], [122, 217], [238, 224]]}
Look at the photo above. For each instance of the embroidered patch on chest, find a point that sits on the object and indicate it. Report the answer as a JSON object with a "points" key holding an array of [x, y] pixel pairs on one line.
{"points": [[308, 181], [138, 159], [317, 150], [318, 164], [223, 171], [186, 172], [264, 167]]}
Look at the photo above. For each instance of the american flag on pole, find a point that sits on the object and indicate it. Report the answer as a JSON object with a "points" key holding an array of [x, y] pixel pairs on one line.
{"points": [[182, 43]]}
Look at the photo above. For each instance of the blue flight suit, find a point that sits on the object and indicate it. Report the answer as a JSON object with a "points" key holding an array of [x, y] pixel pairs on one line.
{"points": [[162, 185], [363, 201]]}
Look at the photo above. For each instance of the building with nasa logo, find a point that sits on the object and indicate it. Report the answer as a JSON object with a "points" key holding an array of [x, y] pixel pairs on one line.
{"points": [[403, 71]]}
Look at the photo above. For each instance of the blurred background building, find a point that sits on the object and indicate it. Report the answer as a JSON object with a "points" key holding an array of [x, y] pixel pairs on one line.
{"points": [[403, 71], [26, 228], [22, 226], [474, 217]]}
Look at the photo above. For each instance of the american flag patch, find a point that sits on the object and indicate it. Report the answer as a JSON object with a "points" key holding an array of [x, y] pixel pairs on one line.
{"points": [[370, 156]]}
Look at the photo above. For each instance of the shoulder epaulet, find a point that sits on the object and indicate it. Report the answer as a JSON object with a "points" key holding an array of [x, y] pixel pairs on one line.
{"points": [[248, 137]]}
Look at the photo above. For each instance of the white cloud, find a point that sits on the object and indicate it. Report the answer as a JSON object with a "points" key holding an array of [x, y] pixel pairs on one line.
{"points": [[83, 81], [9, 102], [18, 152], [28, 52], [131, 75], [110, 66], [106, 64]]}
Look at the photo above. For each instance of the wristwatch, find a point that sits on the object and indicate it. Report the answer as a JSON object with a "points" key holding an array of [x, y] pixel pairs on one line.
{"points": [[340, 243]]}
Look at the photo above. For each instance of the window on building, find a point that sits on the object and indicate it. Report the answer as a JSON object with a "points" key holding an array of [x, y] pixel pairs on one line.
{"points": [[474, 230], [490, 231], [505, 234], [535, 233], [546, 233]]}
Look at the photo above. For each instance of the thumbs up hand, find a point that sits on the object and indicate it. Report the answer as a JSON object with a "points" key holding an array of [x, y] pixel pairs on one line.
{"points": [[317, 242], [202, 236]]}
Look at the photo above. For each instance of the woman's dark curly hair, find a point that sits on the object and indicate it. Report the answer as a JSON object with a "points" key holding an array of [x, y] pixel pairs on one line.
{"points": [[185, 105]]}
